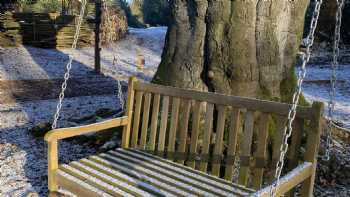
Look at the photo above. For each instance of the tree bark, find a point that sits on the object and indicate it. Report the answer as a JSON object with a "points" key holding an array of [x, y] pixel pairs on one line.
{"points": [[241, 47]]}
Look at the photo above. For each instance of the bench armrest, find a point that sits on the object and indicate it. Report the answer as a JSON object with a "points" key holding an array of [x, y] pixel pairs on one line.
{"points": [[289, 181], [53, 136], [64, 133]]}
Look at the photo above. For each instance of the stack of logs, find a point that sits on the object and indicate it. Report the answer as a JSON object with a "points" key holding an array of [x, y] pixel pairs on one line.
{"points": [[46, 30]]}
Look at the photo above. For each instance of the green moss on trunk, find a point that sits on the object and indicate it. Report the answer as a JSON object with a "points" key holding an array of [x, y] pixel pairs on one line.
{"points": [[288, 87]]}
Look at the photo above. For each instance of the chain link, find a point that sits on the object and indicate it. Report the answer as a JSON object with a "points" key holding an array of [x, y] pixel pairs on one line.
{"points": [[119, 91], [287, 132], [120, 96], [332, 92], [69, 65]]}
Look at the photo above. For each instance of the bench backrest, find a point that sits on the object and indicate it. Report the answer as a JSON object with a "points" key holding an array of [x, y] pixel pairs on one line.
{"points": [[217, 133]]}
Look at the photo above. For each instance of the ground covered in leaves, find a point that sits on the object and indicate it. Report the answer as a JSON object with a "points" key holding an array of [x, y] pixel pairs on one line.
{"points": [[333, 176]]}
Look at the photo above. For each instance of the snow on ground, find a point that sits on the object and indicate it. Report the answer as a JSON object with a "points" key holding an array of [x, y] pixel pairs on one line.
{"points": [[118, 59], [22, 63], [23, 157], [23, 163], [317, 87]]}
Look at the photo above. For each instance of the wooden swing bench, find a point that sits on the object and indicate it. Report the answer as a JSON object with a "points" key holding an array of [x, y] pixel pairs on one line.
{"points": [[151, 160]]}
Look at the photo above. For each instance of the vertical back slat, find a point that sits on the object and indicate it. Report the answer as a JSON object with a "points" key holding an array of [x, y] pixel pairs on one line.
{"points": [[277, 141], [232, 143], [186, 107], [294, 146], [145, 119], [194, 133], [173, 127], [136, 123], [154, 122], [217, 157], [245, 148], [261, 150], [163, 125], [298, 128], [206, 138]]}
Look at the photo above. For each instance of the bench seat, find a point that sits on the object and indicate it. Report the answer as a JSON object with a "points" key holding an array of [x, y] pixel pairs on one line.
{"points": [[128, 172]]}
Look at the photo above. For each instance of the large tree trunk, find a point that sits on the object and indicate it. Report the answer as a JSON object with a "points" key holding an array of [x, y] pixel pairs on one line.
{"points": [[240, 47]]}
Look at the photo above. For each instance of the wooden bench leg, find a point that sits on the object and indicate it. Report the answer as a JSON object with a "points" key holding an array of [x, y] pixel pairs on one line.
{"points": [[53, 187], [52, 166], [307, 187]]}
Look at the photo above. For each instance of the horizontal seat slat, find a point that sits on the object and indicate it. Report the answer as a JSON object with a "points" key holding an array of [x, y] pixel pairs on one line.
{"points": [[160, 176], [220, 99], [116, 163], [197, 175], [189, 173], [94, 181], [108, 179], [172, 174], [129, 177], [78, 186]]}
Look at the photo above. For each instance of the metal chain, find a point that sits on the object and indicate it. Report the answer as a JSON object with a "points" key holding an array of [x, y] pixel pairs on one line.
{"points": [[332, 92], [69, 65], [119, 91], [287, 132]]}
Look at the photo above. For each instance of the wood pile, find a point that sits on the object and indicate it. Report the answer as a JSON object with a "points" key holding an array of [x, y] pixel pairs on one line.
{"points": [[114, 26], [45, 30]]}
